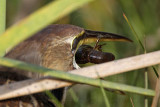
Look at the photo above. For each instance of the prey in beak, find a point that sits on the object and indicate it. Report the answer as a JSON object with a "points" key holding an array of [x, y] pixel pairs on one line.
{"points": [[85, 53]]}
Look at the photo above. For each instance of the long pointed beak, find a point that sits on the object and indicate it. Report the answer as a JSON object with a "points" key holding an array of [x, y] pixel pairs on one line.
{"points": [[92, 36], [105, 36]]}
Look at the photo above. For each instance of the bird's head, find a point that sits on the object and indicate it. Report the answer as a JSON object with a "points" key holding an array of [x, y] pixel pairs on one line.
{"points": [[55, 46], [76, 36]]}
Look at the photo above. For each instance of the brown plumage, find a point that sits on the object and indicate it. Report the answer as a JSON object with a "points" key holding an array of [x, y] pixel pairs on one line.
{"points": [[50, 48]]}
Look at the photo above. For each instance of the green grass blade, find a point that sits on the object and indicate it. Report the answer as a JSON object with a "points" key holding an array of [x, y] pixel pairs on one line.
{"points": [[53, 99], [155, 71], [73, 95], [36, 21], [140, 42], [2, 16], [103, 92], [136, 35], [72, 77]]}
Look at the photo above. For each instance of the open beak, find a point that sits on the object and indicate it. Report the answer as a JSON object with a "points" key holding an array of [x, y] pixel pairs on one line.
{"points": [[92, 36]]}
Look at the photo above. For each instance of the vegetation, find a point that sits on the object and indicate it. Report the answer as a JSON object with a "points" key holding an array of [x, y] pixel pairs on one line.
{"points": [[101, 15]]}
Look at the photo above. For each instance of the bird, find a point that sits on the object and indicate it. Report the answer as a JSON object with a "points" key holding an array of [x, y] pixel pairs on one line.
{"points": [[53, 47]]}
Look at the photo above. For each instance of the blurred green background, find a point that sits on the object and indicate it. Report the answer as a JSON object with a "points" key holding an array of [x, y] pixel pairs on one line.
{"points": [[107, 15]]}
